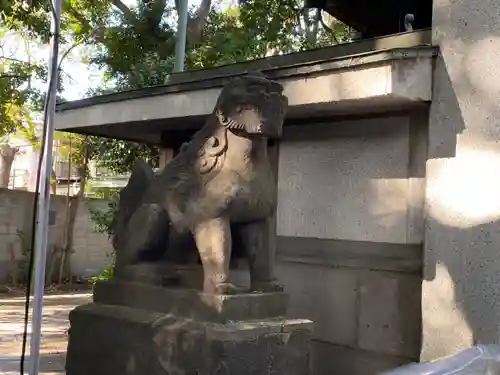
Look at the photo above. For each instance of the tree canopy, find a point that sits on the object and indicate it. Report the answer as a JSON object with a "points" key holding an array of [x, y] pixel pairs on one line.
{"points": [[134, 43], [16, 91]]}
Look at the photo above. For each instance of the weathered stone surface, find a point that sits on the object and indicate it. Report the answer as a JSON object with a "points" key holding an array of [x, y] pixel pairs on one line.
{"points": [[189, 276], [116, 340], [221, 181], [191, 303]]}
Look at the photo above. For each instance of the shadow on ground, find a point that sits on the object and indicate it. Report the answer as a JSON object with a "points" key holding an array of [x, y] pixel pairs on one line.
{"points": [[54, 332], [49, 364]]}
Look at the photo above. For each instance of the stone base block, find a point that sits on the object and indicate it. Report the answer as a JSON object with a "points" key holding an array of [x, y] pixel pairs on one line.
{"points": [[164, 274], [119, 340], [191, 303]]}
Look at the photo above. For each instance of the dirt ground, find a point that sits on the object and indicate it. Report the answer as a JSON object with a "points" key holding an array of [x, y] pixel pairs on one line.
{"points": [[57, 306]]}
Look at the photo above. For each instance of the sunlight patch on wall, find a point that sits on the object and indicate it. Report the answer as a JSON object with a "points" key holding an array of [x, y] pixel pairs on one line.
{"points": [[465, 191]]}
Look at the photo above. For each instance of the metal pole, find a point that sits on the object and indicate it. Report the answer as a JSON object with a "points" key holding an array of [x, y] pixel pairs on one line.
{"points": [[44, 199], [180, 47]]}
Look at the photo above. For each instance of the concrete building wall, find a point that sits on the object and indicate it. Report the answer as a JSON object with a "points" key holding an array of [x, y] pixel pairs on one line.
{"points": [[461, 304], [350, 233], [90, 248]]}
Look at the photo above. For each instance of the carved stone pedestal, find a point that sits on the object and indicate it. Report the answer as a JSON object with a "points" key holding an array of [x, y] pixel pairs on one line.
{"points": [[140, 329]]}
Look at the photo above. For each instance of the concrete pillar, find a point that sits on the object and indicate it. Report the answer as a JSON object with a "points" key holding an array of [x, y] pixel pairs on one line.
{"points": [[461, 288], [274, 155], [166, 154]]}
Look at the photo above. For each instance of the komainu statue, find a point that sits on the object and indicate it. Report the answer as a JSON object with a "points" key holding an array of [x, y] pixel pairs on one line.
{"points": [[219, 180]]}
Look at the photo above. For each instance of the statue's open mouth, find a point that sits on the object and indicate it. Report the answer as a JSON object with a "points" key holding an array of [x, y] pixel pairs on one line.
{"points": [[265, 120]]}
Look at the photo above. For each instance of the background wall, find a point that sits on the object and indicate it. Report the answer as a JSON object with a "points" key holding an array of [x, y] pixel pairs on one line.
{"points": [[90, 248], [461, 304], [350, 233]]}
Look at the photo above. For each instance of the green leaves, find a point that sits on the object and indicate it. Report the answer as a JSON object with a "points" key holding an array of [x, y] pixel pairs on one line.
{"points": [[120, 156], [17, 97], [31, 17], [136, 47]]}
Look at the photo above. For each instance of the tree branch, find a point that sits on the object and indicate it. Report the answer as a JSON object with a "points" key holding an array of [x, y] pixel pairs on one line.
{"points": [[13, 76], [98, 32], [14, 60], [328, 28], [195, 24], [78, 16], [313, 36], [127, 13], [157, 11]]}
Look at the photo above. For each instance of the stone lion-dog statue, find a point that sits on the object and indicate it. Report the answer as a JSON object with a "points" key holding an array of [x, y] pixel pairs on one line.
{"points": [[221, 177]]}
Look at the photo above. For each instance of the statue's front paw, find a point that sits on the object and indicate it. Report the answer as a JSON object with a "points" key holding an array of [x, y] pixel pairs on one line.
{"points": [[266, 287]]}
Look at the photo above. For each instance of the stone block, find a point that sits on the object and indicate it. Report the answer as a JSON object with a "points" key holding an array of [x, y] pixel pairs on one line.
{"points": [[117, 340], [329, 359], [3, 210], [165, 274], [320, 197], [333, 293], [389, 308], [191, 303]]}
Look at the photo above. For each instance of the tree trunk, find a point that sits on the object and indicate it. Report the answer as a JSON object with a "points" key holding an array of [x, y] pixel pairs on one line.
{"points": [[54, 253], [14, 261], [72, 210], [311, 26], [53, 183], [7, 155], [65, 265]]}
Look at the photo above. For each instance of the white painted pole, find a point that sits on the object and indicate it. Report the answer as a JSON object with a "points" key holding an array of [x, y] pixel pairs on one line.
{"points": [[42, 227], [180, 47]]}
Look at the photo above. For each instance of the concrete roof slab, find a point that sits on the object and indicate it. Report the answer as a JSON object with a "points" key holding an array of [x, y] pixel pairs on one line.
{"points": [[367, 82]]}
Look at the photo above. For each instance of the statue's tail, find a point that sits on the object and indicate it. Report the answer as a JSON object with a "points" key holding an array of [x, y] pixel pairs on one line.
{"points": [[130, 198]]}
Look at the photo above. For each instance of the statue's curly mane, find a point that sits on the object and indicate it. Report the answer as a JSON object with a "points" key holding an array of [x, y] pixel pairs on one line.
{"points": [[197, 163], [202, 153]]}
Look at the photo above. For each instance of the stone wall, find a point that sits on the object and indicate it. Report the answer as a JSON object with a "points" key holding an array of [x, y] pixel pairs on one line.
{"points": [[350, 234], [90, 248], [461, 301]]}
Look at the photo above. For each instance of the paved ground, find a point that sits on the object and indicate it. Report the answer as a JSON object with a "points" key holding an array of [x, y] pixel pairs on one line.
{"points": [[54, 328]]}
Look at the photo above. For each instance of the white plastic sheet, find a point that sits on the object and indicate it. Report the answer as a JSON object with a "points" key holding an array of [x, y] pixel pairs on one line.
{"points": [[478, 360]]}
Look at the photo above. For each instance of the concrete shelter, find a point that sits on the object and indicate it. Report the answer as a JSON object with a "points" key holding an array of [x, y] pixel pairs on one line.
{"points": [[388, 214], [364, 77]]}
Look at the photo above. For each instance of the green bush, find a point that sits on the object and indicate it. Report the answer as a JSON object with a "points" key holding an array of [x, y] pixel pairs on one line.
{"points": [[103, 223], [107, 274], [103, 219]]}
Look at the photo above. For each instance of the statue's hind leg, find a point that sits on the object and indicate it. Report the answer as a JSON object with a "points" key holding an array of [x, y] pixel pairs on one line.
{"points": [[213, 240], [261, 256], [145, 239]]}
